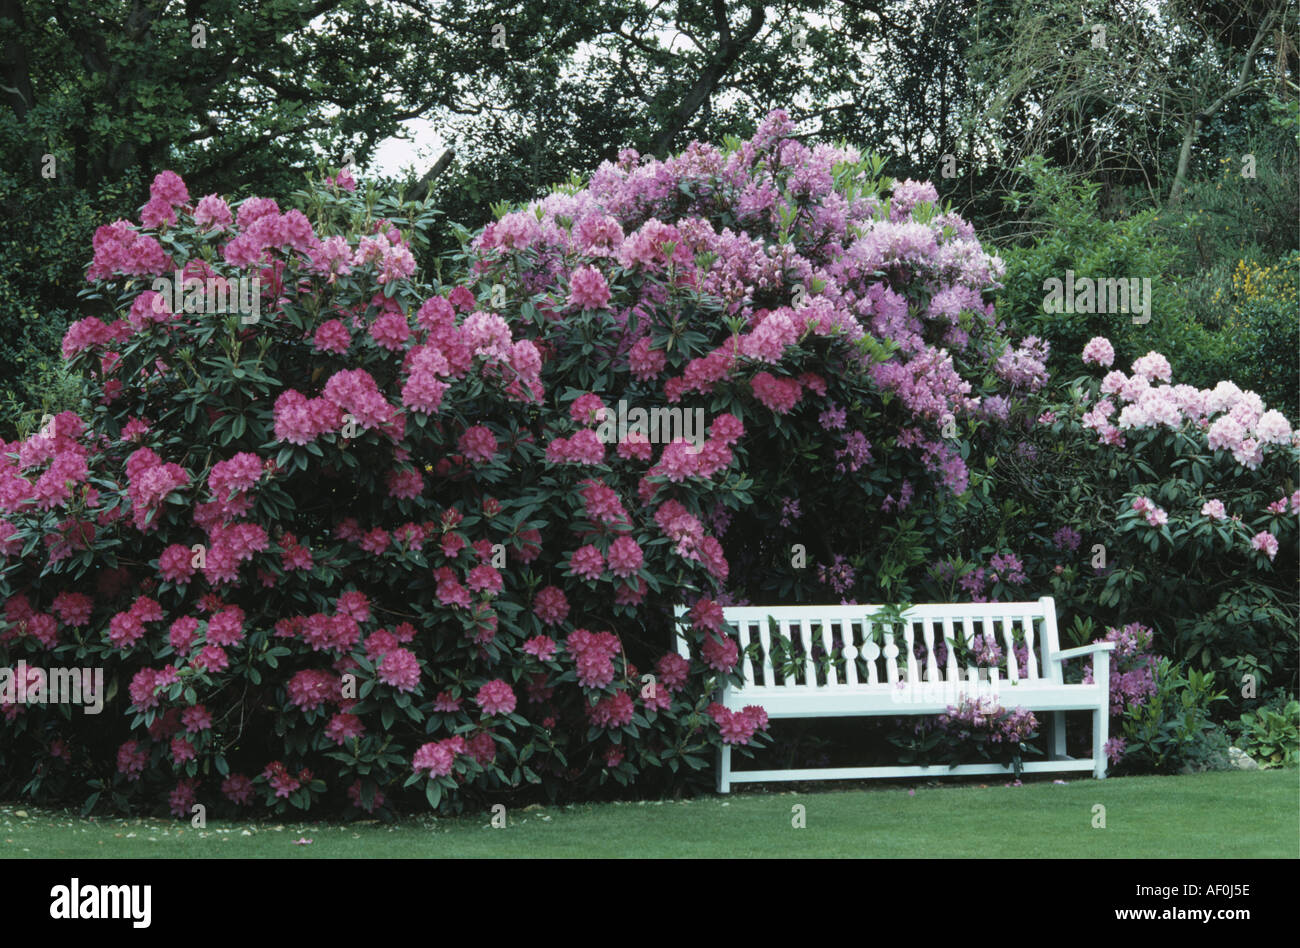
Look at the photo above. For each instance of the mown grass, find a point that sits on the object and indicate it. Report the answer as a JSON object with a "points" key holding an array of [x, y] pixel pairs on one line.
{"points": [[1232, 815]]}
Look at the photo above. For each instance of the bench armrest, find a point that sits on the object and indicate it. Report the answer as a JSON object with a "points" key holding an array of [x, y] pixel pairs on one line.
{"points": [[1083, 650]]}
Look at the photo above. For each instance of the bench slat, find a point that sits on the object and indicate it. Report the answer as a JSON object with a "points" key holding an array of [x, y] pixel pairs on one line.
{"points": [[789, 671], [747, 664], [968, 633], [1008, 636], [832, 679], [953, 674], [909, 770], [810, 666], [927, 633], [1030, 658], [765, 640], [909, 636], [850, 650], [891, 655], [870, 650]]}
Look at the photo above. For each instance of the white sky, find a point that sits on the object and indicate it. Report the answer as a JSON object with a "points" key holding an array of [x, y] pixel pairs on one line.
{"points": [[421, 149]]}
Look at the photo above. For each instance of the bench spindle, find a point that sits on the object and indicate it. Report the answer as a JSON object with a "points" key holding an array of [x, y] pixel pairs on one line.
{"points": [[891, 656], [909, 637], [931, 668], [765, 639], [828, 642], [1013, 667], [1031, 661], [850, 654], [747, 666], [953, 676]]}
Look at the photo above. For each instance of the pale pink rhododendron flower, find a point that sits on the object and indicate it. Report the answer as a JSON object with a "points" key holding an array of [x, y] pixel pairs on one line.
{"points": [[1099, 351], [1266, 543], [1214, 510]]}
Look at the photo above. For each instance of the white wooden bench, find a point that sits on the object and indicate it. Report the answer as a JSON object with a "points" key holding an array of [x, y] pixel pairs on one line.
{"points": [[872, 672]]}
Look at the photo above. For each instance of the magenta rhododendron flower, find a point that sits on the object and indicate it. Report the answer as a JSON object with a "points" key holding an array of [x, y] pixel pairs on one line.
{"points": [[168, 187], [720, 654], [478, 443], [495, 697], [400, 668], [332, 336], [196, 718], [587, 562], [778, 394], [540, 647], [311, 688], [550, 605], [625, 557], [588, 289], [612, 711], [707, 614], [174, 564]]}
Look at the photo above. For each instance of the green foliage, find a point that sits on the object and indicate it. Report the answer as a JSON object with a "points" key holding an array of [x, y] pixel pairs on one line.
{"points": [[1271, 735], [1064, 231], [1259, 326], [1235, 257], [1245, 205], [1173, 728]]}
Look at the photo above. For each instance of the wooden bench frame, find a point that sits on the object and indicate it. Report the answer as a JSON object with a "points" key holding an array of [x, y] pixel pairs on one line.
{"points": [[921, 687]]}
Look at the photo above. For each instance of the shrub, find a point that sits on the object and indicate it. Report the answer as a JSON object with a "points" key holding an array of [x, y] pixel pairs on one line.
{"points": [[1131, 499], [1271, 735], [375, 538], [1261, 327], [1173, 728], [873, 409], [39, 269], [305, 598], [975, 726]]}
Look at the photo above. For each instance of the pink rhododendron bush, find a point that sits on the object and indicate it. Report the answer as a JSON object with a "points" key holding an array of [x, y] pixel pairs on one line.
{"points": [[289, 538], [337, 537], [843, 318]]}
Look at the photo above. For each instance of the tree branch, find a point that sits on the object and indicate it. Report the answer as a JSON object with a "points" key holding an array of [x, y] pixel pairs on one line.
{"points": [[1194, 126]]}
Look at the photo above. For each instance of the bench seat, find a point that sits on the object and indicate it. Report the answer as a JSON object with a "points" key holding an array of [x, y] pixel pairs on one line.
{"points": [[855, 661]]}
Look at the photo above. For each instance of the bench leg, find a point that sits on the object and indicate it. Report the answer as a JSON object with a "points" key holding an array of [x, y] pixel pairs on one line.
{"points": [[1056, 737], [1100, 733], [724, 768]]}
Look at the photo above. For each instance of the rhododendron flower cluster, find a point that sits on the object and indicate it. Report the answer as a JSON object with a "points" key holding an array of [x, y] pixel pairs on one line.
{"points": [[1132, 673], [1225, 417], [738, 727], [1225, 421], [982, 720]]}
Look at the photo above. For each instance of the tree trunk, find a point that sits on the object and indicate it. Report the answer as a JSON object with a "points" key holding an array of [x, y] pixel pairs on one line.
{"points": [[729, 50], [1194, 127]]}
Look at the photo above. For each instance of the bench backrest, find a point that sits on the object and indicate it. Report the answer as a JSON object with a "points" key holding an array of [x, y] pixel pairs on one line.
{"points": [[853, 646]]}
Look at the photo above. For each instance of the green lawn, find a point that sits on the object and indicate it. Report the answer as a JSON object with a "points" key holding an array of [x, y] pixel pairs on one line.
{"points": [[1233, 814]]}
